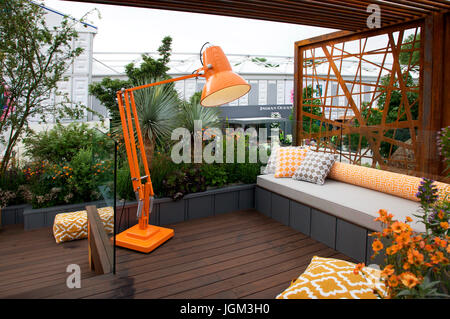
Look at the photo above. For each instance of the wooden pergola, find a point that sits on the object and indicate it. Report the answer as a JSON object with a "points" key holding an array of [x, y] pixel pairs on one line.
{"points": [[430, 19]]}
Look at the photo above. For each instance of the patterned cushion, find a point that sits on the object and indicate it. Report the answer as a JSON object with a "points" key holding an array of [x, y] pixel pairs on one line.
{"points": [[399, 185], [288, 159], [72, 226], [272, 161], [328, 278], [315, 167]]}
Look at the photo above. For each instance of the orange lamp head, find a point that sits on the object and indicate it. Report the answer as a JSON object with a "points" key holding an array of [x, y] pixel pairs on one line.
{"points": [[222, 84]]}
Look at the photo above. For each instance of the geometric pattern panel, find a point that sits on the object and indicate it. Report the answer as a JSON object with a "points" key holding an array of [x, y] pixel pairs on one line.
{"points": [[361, 98], [315, 167], [328, 278], [72, 226]]}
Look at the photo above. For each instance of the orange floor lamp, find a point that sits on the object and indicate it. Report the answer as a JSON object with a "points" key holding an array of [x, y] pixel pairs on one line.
{"points": [[222, 86]]}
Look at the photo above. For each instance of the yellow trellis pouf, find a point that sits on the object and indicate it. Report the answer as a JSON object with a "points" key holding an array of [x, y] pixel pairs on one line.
{"points": [[329, 278], [72, 226]]}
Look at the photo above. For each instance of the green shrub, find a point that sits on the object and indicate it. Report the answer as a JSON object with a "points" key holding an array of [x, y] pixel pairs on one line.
{"points": [[124, 185], [188, 179], [248, 172], [61, 143], [215, 174], [12, 191]]}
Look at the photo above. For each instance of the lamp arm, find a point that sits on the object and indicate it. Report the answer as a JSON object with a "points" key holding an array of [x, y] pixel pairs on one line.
{"points": [[128, 113]]}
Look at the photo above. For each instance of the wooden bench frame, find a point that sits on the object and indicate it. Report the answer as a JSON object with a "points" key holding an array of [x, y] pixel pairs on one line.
{"points": [[100, 248]]}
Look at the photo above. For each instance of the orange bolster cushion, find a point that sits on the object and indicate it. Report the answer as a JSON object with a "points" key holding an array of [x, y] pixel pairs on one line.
{"points": [[399, 185]]}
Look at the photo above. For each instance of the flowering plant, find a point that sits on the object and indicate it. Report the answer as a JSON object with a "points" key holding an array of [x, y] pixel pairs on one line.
{"points": [[416, 264], [443, 140]]}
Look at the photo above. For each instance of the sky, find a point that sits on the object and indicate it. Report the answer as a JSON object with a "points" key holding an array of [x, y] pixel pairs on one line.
{"points": [[128, 29]]}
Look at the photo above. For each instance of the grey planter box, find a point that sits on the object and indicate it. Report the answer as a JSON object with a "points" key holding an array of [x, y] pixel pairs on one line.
{"points": [[12, 215], [44, 217], [165, 210]]}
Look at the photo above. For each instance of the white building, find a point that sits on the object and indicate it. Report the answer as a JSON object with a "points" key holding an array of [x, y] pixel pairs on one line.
{"points": [[79, 73]]}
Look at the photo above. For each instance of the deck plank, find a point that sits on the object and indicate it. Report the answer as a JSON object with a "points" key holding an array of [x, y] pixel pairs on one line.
{"points": [[242, 254]]}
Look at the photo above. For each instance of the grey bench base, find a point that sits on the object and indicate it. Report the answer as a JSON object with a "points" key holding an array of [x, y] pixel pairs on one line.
{"points": [[343, 236]]}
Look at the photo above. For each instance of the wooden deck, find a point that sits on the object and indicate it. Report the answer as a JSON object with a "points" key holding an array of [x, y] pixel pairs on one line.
{"points": [[236, 255]]}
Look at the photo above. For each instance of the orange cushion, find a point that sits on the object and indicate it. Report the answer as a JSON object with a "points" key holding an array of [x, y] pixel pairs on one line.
{"points": [[288, 159], [399, 185], [329, 278]]}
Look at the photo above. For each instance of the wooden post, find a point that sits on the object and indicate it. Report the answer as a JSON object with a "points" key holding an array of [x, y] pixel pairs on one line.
{"points": [[100, 247], [435, 112]]}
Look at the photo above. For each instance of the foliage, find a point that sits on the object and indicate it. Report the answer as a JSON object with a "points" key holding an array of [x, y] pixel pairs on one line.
{"points": [[444, 147], [62, 142], [33, 59], [215, 174], [157, 108], [414, 57], [311, 125], [193, 111], [106, 92], [416, 264], [11, 187], [151, 68], [70, 182], [124, 184], [187, 179]]}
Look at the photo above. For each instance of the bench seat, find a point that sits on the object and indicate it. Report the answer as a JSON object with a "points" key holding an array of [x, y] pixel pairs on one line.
{"points": [[352, 203]]}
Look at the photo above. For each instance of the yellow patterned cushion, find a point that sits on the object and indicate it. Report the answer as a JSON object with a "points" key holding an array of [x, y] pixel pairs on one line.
{"points": [[288, 160], [328, 278], [72, 226], [400, 185]]}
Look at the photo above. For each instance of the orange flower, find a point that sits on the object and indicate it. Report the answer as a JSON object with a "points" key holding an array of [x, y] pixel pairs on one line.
{"points": [[403, 239], [387, 271], [409, 280], [437, 258], [428, 248], [399, 227], [393, 281], [444, 225], [392, 250], [406, 266], [441, 214], [408, 219], [377, 245], [437, 240], [414, 257], [384, 216]]}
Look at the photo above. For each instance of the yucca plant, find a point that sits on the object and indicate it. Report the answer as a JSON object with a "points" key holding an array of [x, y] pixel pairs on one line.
{"points": [[193, 111], [157, 109]]}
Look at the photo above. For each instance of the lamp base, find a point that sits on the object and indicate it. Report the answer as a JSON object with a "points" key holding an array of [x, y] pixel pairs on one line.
{"points": [[143, 240]]}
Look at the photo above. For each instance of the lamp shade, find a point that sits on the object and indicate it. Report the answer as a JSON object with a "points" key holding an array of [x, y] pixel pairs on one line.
{"points": [[222, 84]]}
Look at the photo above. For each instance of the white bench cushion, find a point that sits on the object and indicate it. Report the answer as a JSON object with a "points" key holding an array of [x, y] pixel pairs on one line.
{"points": [[352, 203]]}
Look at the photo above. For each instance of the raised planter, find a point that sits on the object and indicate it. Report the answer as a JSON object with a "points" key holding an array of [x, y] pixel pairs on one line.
{"points": [[197, 205], [44, 217], [12, 215], [165, 210]]}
